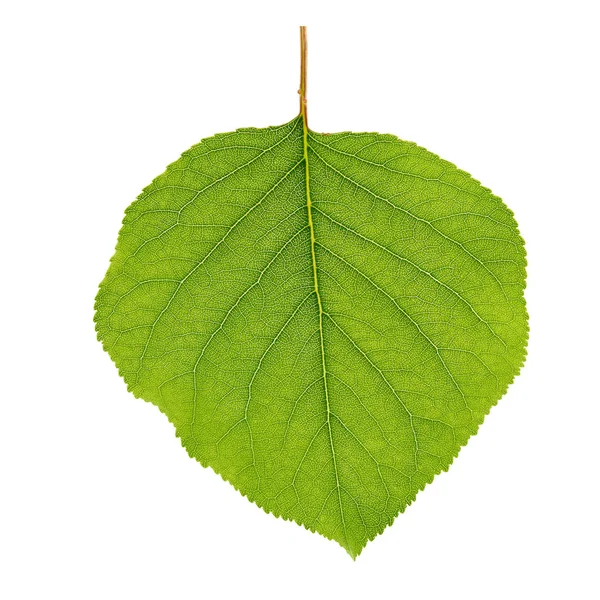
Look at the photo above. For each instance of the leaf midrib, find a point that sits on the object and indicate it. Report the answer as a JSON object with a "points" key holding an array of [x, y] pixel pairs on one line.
{"points": [[321, 312]]}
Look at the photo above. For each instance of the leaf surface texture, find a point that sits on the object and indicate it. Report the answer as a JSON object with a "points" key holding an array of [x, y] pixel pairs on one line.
{"points": [[326, 319]]}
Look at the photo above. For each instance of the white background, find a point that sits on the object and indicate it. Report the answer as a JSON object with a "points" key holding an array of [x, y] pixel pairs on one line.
{"points": [[97, 497]]}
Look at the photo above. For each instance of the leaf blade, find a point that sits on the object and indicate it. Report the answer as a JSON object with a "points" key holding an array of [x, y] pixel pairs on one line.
{"points": [[329, 357]]}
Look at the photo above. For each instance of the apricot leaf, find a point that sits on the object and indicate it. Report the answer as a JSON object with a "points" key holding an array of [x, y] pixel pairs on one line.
{"points": [[326, 319]]}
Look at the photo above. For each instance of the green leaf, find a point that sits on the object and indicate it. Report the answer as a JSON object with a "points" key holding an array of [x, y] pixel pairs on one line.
{"points": [[326, 319]]}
